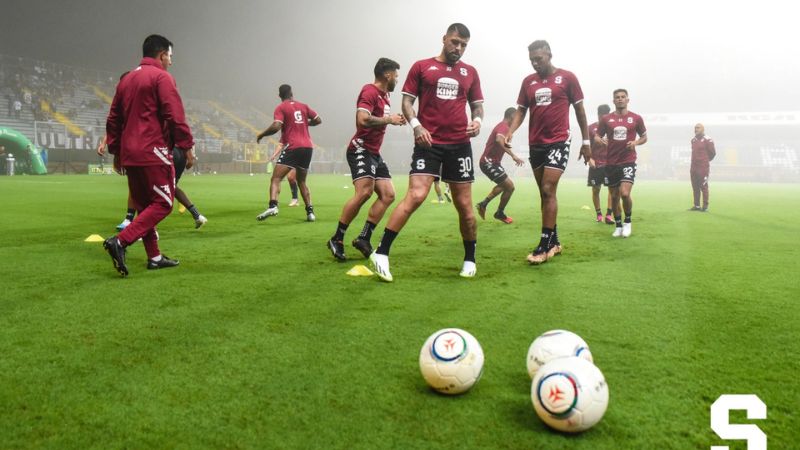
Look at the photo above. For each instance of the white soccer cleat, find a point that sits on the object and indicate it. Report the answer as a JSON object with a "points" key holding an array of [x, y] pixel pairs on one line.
{"points": [[617, 232], [311, 217], [268, 213], [294, 202], [200, 221], [380, 263], [469, 269], [626, 229]]}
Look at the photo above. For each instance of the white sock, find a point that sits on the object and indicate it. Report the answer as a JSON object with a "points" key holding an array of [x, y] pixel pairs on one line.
{"points": [[156, 259]]}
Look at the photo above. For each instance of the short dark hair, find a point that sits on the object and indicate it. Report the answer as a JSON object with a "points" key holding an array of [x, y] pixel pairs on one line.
{"points": [[540, 44], [459, 28], [603, 109], [285, 91], [620, 90], [155, 44], [385, 65], [509, 113]]}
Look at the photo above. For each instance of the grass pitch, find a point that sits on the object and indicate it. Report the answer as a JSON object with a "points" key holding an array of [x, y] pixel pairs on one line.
{"points": [[260, 340]]}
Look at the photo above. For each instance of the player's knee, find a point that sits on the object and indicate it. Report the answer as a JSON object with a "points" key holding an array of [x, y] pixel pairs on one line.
{"points": [[387, 197]]}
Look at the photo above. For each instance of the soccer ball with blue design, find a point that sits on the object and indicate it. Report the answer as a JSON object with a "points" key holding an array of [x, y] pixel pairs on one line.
{"points": [[556, 344], [451, 361], [569, 394]]}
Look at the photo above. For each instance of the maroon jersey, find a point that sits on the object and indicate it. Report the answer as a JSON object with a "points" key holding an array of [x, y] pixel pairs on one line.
{"points": [[443, 92], [548, 100], [146, 119], [599, 151], [294, 116], [703, 152], [619, 130], [493, 150], [376, 102]]}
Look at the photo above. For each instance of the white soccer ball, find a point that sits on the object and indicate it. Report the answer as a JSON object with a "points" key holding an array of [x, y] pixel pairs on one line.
{"points": [[569, 394], [556, 344], [451, 361]]}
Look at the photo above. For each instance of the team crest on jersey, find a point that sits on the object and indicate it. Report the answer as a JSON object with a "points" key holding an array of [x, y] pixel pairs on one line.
{"points": [[447, 88], [463, 71], [543, 96], [630, 119], [620, 133]]}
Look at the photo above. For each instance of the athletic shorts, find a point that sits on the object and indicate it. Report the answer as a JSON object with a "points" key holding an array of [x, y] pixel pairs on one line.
{"points": [[453, 162], [495, 172], [554, 156], [179, 161], [364, 164], [298, 158], [625, 173], [597, 177]]}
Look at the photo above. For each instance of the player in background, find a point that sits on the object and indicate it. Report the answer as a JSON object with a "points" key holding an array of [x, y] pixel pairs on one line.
{"points": [[548, 93], [367, 167], [703, 152], [597, 175], [441, 197], [490, 166], [292, 119], [146, 120], [291, 178], [618, 132], [444, 86]]}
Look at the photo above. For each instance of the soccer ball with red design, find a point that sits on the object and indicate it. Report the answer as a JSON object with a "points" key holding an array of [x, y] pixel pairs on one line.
{"points": [[556, 344], [451, 361], [569, 394]]}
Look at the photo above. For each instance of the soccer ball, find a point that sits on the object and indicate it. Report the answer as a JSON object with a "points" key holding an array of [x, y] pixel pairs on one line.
{"points": [[451, 361], [569, 394], [556, 344]]}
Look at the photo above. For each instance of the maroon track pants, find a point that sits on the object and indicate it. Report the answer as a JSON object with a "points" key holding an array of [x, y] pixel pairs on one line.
{"points": [[152, 190], [700, 186]]}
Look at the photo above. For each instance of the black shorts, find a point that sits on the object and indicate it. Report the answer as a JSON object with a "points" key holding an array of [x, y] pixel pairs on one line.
{"points": [[495, 172], [597, 177], [179, 161], [625, 173], [364, 164], [453, 162], [554, 156], [298, 158]]}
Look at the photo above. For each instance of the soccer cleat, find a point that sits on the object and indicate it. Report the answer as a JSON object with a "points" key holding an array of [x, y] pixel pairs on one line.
{"points": [[380, 263], [273, 211], [554, 250], [538, 256], [705, 209], [311, 217], [694, 208], [481, 210], [117, 252], [468, 270], [293, 202], [502, 217], [200, 221], [626, 229], [599, 218], [609, 219], [617, 232], [441, 200], [163, 263], [123, 225], [447, 196], [336, 248], [363, 246]]}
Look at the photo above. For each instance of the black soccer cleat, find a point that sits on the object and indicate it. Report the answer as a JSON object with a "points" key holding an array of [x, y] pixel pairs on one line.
{"points": [[117, 252], [163, 263], [363, 246], [337, 249]]}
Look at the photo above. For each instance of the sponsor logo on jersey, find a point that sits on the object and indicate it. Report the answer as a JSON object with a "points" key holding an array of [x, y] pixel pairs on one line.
{"points": [[543, 96], [620, 133], [447, 88]]}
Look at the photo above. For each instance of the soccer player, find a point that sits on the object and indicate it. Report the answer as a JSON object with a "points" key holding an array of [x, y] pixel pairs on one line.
{"points": [[490, 166], [618, 131], [145, 122], [441, 196], [548, 93], [369, 171], [291, 178], [442, 132], [292, 119], [597, 176], [703, 152]]}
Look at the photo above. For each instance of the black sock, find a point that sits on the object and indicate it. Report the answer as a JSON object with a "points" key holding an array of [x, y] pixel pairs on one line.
{"points": [[310, 209], [130, 214], [628, 216], [555, 240], [547, 234], [195, 213], [366, 232], [293, 187], [273, 203], [386, 241], [598, 211], [340, 230], [485, 202], [608, 211], [469, 250], [618, 221]]}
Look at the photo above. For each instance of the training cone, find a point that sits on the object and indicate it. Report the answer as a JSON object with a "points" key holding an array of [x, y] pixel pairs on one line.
{"points": [[181, 209], [359, 271], [585, 207], [94, 238]]}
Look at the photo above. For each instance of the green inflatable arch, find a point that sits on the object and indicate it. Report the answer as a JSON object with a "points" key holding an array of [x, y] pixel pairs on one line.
{"points": [[17, 144]]}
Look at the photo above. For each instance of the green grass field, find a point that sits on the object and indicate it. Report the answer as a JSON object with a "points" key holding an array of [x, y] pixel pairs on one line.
{"points": [[260, 340]]}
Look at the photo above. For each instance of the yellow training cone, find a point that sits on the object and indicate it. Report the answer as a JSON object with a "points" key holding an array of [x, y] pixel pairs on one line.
{"points": [[181, 209], [359, 271], [94, 238], [585, 207]]}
